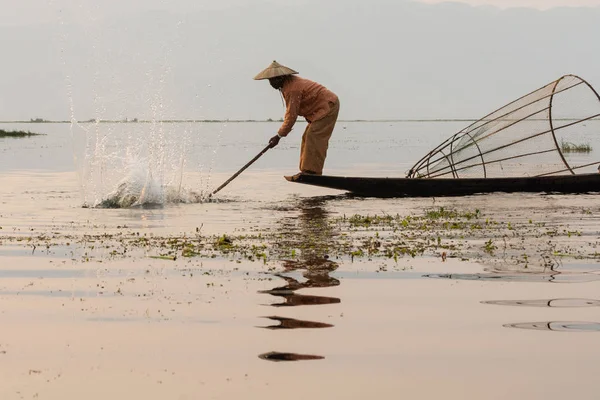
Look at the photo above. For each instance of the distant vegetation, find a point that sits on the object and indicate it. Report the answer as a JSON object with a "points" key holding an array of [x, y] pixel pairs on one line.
{"points": [[17, 134], [568, 147], [148, 121]]}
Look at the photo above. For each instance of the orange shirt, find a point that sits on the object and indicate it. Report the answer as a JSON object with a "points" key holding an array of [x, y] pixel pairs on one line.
{"points": [[304, 98]]}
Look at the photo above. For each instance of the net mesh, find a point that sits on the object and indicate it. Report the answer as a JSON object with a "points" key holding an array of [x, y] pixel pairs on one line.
{"points": [[554, 130]]}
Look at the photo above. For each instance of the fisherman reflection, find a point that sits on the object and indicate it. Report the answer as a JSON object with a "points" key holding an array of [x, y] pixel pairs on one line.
{"points": [[311, 234], [316, 272]]}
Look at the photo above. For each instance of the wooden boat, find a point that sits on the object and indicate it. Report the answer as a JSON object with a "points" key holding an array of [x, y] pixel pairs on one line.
{"points": [[425, 187]]}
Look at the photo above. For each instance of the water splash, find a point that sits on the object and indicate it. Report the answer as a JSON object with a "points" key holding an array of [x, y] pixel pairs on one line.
{"points": [[123, 162], [134, 164], [140, 188]]}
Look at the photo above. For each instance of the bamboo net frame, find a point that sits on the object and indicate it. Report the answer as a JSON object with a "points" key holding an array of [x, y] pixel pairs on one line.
{"points": [[524, 138]]}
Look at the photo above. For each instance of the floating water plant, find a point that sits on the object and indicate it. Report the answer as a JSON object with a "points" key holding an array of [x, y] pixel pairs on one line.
{"points": [[442, 213], [17, 134], [384, 238], [224, 241], [489, 247], [568, 147]]}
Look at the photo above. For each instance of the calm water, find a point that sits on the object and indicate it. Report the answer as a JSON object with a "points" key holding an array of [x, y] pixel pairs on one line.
{"points": [[84, 324], [227, 146]]}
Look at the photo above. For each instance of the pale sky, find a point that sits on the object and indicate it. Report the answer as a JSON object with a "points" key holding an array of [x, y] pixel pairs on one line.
{"points": [[386, 59], [537, 4]]}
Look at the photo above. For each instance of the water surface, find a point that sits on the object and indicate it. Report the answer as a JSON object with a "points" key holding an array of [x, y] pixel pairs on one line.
{"points": [[80, 321]]}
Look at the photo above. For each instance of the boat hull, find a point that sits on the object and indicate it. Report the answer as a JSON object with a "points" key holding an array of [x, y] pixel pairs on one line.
{"points": [[413, 187]]}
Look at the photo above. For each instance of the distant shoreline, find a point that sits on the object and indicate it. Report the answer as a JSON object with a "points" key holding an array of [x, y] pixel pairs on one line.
{"points": [[17, 134], [225, 121]]}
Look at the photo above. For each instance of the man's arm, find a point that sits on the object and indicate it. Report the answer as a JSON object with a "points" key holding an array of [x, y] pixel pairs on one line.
{"points": [[291, 114]]}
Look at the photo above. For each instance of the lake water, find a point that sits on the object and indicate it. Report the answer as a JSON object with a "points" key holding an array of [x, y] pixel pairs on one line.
{"points": [[100, 303]]}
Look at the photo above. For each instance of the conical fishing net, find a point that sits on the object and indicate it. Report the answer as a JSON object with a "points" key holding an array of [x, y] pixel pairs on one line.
{"points": [[554, 130]]}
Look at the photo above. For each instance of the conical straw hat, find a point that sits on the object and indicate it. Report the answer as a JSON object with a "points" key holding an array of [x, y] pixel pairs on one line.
{"points": [[273, 70]]}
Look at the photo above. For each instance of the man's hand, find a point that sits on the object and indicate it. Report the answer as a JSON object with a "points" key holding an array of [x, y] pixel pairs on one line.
{"points": [[274, 141]]}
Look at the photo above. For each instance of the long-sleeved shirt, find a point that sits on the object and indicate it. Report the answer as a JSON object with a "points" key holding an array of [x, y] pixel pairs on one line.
{"points": [[304, 98]]}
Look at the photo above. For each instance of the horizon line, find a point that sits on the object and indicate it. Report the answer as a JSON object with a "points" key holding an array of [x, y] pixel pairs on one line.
{"points": [[210, 120], [149, 121]]}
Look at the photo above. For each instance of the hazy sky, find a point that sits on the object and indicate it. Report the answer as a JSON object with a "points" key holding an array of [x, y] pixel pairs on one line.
{"points": [[537, 4], [196, 59]]}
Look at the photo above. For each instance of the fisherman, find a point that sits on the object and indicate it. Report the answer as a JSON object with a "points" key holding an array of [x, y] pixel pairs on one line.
{"points": [[308, 99]]}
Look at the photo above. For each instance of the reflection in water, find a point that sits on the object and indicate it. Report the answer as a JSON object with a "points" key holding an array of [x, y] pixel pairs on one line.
{"points": [[311, 234], [314, 279], [277, 356], [80, 294], [293, 300], [554, 277], [290, 323], [558, 326], [558, 303], [316, 274], [532, 277]]}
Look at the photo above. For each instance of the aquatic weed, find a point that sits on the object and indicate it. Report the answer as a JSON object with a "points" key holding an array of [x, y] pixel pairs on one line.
{"points": [[568, 147], [489, 247]]}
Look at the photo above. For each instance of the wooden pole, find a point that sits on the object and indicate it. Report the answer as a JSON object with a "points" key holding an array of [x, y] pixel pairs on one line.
{"points": [[242, 169]]}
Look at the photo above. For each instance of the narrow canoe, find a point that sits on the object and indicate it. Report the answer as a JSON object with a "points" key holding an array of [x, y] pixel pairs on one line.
{"points": [[438, 187]]}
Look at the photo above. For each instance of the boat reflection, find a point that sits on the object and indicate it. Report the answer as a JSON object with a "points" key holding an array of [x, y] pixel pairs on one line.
{"points": [[551, 325], [310, 233], [556, 303], [556, 277], [557, 326]]}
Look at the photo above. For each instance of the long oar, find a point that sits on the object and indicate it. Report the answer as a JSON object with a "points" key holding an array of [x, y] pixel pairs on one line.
{"points": [[241, 170]]}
